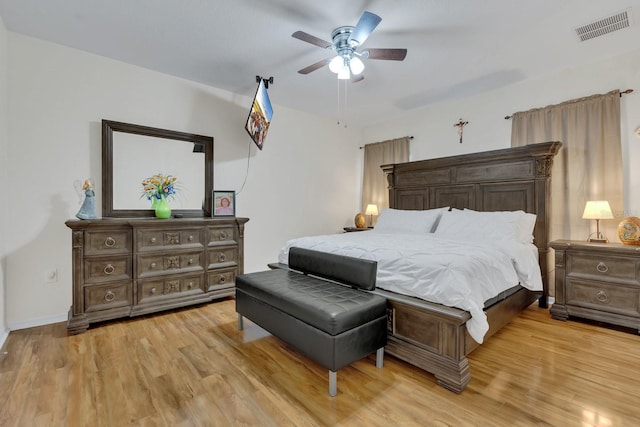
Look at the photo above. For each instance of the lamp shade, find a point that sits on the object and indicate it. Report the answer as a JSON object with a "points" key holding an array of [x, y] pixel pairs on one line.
{"points": [[344, 73], [336, 64], [356, 65], [371, 210], [597, 209]]}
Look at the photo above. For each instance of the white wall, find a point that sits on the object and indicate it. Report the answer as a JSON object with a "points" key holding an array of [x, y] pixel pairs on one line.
{"points": [[295, 186], [435, 135], [4, 177]]}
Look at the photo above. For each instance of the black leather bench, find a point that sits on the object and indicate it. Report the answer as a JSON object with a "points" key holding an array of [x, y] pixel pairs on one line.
{"points": [[320, 306]]}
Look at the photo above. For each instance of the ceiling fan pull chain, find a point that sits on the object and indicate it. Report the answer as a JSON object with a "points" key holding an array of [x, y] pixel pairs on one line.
{"points": [[339, 105], [345, 100]]}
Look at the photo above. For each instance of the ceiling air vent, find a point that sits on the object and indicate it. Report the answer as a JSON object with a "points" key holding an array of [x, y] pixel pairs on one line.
{"points": [[604, 26]]}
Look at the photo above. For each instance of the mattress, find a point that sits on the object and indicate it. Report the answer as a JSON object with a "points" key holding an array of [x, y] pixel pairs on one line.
{"points": [[455, 273]]}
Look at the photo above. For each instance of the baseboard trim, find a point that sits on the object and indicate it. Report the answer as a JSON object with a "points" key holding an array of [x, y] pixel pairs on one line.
{"points": [[56, 318], [3, 336]]}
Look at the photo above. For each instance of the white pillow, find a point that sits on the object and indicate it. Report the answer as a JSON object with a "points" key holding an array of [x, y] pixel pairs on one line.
{"points": [[407, 221], [486, 226]]}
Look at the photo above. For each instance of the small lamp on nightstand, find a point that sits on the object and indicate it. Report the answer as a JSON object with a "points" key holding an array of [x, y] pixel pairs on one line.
{"points": [[597, 209], [371, 211]]}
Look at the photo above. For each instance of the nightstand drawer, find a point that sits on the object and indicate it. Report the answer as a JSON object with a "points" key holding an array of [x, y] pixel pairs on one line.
{"points": [[602, 267], [613, 298]]}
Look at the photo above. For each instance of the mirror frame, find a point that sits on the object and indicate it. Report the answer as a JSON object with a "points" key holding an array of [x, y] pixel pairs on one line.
{"points": [[109, 127]]}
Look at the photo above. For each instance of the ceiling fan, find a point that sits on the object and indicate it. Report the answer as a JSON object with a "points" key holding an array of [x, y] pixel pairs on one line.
{"points": [[345, 41]]}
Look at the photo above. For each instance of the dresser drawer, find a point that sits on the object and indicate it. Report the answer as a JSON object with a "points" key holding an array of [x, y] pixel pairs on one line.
{"points": [[222, 256], [107, 242], [603, 267], [153, 239], [221, 278], [97, 270], [153, 264], [107, 296], [613, 298], [221, 235], [169, 287]]}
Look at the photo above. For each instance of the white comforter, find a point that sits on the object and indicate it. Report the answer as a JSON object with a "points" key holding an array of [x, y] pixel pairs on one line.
{"points": [[455, 273]]}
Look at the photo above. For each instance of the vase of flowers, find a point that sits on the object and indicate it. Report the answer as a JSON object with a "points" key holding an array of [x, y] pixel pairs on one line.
{"points": [[158, 189]]}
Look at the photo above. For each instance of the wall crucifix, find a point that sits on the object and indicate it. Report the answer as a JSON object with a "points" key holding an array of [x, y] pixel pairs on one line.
{"points": [[460, 125]]}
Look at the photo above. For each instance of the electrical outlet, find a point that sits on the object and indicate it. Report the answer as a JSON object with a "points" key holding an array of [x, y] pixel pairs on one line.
{"points": [[51, 276]]}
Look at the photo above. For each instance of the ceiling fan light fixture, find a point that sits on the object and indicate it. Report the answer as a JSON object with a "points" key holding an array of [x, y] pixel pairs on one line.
{"points": [[356, 65], [345, 41], [336, 64]]}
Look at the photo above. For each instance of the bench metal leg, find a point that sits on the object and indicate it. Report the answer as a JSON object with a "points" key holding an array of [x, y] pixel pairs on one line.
{"points": [[333, 386], [379, 357], [240, 325]]}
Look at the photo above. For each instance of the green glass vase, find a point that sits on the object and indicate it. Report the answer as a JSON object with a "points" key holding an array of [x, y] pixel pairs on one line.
{"points": [[162, 208]]}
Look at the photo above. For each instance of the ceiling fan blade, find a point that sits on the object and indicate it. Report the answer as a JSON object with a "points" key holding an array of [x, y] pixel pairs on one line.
{"points": [[389, 54], [305, 37], [368, 21], [357, 79], [313, 67]]}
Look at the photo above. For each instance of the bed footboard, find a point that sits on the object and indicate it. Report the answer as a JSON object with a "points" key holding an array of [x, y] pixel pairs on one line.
{"points": [[434, 337]]}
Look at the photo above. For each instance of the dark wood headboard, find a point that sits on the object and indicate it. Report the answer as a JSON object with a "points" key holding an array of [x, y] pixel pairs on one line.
{"points": [[500, 180]]}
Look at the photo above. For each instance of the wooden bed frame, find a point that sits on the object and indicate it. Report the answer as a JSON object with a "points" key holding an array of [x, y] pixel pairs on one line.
{"points": [[432, 336]]}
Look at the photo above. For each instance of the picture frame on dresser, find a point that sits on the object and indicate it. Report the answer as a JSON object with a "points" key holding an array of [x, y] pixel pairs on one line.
{"points": [[223, 203]]}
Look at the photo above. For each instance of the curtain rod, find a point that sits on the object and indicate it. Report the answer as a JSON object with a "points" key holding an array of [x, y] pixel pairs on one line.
{"points": [[410, 137], [622, 92]]}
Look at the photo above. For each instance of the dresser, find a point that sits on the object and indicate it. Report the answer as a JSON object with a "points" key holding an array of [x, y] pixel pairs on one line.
{"points": [[129, 267], [598, 281]]}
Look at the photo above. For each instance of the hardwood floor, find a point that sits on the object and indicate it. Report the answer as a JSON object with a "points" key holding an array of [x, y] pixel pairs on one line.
{"points": [[194, 368]]}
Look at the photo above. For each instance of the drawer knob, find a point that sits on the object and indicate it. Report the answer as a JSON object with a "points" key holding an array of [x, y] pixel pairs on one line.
{"points": [[190, 261], [222, 235], [109, 269], [109, 296], [222, 279], [602, 267], [153, 265], [154, 290], [222, 257], [601, 296], [153, 240], [109, 242], [190, 285], [190, 238]]}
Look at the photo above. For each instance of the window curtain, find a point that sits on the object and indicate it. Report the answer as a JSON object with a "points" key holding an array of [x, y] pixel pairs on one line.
{"points": [[374, 180], [589, 164]]}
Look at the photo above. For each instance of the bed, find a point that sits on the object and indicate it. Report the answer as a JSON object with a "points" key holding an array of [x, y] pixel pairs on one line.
{"points": [[435, 336]]}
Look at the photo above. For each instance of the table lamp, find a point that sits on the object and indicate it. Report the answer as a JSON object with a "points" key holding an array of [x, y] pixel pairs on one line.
{"points": [[597, 209], [371, 211]]}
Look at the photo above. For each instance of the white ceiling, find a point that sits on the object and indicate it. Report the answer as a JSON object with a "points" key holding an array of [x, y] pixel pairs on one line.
{"points": [[456, 48]]}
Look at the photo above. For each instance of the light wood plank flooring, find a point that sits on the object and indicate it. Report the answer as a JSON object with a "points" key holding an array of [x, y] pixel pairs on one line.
{"points": [[192, 367]]}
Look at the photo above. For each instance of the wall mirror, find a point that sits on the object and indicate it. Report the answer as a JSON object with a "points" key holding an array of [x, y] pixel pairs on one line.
{"points": [[132, 153]]}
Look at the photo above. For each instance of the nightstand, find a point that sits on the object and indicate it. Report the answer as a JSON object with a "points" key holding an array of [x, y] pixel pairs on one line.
{"points": [[597, 281], [352, 229]]}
